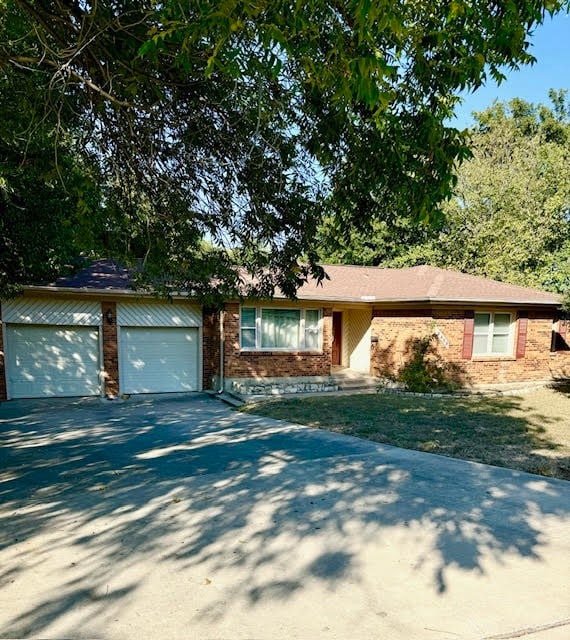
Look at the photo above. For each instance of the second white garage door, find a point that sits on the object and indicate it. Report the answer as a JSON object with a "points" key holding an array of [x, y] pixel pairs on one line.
{"points": [[159, 359]]}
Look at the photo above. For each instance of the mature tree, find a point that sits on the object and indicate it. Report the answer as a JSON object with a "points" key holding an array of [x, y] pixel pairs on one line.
{"points": [[49, 195], [241, 123], [566, 302], [510, 216], [510, 219], [384, 241]]}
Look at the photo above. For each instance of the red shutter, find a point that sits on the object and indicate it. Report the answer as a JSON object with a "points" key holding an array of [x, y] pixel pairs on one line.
{"points": [[521, 337], [468, 329]]}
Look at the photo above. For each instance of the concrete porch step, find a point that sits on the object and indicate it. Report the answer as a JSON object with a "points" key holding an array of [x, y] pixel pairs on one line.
{"points": [[355, 384], [347, 379]]}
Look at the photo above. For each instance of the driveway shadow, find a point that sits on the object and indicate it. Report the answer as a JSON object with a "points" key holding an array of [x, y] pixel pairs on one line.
{"points": [[186, 484]]}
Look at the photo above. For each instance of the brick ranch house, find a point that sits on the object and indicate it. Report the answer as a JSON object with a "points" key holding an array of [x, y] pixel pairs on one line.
{"points": [[91, 334]]}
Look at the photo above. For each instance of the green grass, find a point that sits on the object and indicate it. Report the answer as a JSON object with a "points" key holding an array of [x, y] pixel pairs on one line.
{"points": [[530, 432]]}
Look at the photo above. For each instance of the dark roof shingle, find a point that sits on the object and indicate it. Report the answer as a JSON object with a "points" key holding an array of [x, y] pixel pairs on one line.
{"points": [[103, 275]]}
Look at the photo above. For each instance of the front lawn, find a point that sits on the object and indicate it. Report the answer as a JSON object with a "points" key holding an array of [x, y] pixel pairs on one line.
{"points": [[530, 431]]}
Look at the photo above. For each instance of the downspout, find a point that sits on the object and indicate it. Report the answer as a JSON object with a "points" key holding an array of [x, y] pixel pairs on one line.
{"points": [[221, 389]]}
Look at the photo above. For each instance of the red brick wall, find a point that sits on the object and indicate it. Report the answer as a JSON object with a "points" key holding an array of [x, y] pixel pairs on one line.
{"points": [[535, 365], [273, 364], [211, 346], [396, 328], [3, 394], [110, 350], [560, 365], [560, 359]]}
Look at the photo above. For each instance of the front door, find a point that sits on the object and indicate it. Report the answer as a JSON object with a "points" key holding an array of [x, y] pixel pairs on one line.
{"points": [[336, 357]]}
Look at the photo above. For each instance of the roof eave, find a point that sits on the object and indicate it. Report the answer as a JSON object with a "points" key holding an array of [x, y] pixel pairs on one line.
{"points": [[438, 301], [97, 292], [513, 301], [317, 298]]}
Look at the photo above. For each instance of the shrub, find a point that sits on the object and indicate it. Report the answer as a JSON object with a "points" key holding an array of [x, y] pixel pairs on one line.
{"points": [[425, 371]]}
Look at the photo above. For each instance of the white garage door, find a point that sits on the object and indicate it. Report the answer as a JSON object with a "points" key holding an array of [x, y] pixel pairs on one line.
{"points": [[45, 360], [158, 359]]}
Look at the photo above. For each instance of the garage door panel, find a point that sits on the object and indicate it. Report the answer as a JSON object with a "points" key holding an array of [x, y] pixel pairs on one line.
{"points": [[52, 361], [159, 360]]}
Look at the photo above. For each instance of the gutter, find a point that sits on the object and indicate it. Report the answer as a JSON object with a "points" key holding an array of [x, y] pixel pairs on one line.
{"points": [[221, 389], [107, 293], [365, 299], [431, 301]]}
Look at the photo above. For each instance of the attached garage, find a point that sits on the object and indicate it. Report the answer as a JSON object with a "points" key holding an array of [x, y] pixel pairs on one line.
{"points": [[52, 348], [159, 347]]}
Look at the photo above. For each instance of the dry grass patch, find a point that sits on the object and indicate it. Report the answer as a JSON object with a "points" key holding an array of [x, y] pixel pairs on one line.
{"points": [[529, 432]]}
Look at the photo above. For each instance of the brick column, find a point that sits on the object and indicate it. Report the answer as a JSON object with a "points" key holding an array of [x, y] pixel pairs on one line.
{"points": [[210, 346], [3, 392], [232, 356], [110, 350], [327, 336]]}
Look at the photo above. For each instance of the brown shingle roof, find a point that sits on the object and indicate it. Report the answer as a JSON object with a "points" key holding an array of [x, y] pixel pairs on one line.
{"points": [[355, 284], [417, 284]]}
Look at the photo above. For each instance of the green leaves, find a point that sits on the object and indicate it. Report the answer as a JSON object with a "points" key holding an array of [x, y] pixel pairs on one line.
{"points": [[566, 302], [515, 197], [244, 122], [509, 217]]}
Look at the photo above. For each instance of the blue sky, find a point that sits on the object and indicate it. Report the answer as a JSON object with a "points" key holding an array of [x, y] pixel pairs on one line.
{"points": [[551, 48]]}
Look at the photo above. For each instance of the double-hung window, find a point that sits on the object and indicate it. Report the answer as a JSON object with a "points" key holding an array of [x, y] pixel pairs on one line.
{"points": [[493, 334], [248, 328], [285, 329]]}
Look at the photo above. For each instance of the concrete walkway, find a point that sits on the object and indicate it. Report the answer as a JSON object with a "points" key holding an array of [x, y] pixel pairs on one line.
{"points": [[178, 518]]}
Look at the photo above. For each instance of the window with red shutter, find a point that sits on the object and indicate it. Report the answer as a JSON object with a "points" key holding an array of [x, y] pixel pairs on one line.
{"points": [[493, 334]]}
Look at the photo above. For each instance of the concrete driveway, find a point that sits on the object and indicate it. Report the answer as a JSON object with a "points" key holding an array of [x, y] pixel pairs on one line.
{"points": [[179, 518]]}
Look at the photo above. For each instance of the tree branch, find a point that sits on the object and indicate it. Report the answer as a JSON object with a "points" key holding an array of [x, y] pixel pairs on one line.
{"points": [[63, 70]]}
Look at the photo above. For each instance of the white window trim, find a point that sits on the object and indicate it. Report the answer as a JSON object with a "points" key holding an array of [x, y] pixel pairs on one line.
{"points": [[258, 314], [511, 343]]}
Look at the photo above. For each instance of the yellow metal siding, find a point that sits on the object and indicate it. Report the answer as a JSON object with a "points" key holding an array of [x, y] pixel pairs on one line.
{"points": [[358, 325]]}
